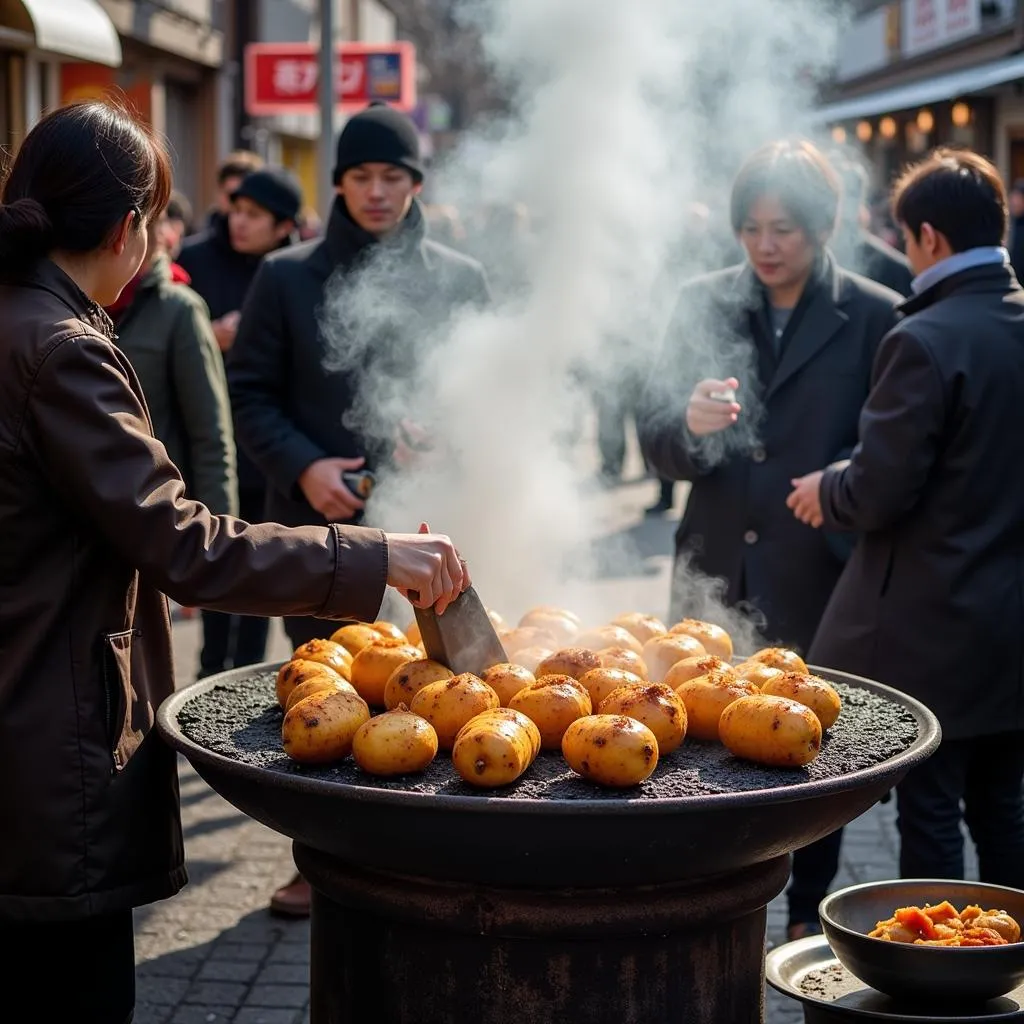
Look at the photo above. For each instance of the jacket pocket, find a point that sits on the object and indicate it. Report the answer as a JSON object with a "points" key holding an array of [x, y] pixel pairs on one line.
{"points": [[122, 739]]}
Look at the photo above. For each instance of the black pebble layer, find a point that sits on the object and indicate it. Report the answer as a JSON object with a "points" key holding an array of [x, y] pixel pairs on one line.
{"points": [[242, 721]]}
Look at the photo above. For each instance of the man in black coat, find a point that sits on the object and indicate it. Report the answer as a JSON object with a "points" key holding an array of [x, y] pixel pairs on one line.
{"points": [[327, 329], [932, 600], [304, 351]]}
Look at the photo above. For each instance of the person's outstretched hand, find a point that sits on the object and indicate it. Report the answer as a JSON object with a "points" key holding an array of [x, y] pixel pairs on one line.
{"points": [[426, 568]]}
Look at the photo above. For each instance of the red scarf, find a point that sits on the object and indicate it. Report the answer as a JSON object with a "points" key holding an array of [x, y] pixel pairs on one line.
{"points": [[178, 275]]}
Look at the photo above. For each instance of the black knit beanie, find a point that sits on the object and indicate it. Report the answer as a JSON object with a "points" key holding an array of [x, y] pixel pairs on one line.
{"points": [[274, 189], [379, 135]]}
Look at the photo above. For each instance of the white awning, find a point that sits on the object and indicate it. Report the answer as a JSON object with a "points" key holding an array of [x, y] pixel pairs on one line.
{"points": [[74, 28], [951, 86]]}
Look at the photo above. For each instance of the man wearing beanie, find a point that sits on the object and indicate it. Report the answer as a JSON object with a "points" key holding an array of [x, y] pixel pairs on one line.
{"points": [[325, 318], [222, 263]]}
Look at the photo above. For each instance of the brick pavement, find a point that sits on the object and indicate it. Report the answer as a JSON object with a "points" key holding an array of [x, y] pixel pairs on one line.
{"points": [[213, 954]]}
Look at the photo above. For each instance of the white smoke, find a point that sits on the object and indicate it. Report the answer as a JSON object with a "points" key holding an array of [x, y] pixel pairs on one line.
{"points": [[623, 115]]}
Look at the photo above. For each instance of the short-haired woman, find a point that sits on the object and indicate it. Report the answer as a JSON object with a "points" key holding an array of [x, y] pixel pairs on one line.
{"points": [[763, 374], [95, 529]]}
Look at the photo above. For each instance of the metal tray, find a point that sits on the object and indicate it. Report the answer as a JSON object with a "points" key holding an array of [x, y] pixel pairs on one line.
{"points": [[842, 997]]}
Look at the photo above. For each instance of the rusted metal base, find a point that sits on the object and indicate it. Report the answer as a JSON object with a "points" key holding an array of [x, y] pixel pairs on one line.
{"points": [[390, 950]]}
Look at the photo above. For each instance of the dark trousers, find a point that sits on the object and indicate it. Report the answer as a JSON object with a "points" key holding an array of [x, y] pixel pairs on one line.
{"points": [[303, 628], [814, 867], [81, 971], [231, 641], [611, 409], [977, 781]]}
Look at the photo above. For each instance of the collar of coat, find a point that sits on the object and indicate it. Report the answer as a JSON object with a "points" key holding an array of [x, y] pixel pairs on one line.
{"points": [[219, 234], [990, 277], [748, 292], [45, 274], [818, 317], [347, 242]]}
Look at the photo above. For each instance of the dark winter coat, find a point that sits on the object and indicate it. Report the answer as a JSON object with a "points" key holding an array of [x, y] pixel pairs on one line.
{"points": [[94, 529], [879, 261], [866, 254], [736, 525], [932, 600], [304, 347], [1016, 245], [219, 275], [166, 334]]}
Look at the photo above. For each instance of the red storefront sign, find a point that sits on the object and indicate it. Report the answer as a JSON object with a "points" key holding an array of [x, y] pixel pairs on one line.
{"points": [[281, 78]]}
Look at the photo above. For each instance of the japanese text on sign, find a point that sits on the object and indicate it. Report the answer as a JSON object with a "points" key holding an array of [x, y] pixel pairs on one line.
{"points": [[283, 78]]}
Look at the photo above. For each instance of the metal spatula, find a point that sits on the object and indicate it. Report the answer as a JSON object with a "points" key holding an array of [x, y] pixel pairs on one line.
{"points": [[463, 638]]}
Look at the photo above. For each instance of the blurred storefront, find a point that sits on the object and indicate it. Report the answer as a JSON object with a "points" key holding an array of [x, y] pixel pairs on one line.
{"points": [[285, 136], [161, 58], [37, 37], [914, 74]]}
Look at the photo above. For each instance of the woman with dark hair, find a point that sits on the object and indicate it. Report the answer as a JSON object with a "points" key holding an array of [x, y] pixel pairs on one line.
{"points": [[95, 529], [763, 374]]}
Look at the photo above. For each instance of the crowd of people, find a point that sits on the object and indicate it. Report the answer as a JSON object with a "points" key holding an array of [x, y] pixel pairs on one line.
{"points": [[843, 413]]}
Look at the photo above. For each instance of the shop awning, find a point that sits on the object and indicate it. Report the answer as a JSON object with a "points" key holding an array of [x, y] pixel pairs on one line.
{"points": [[72, 28], [950, 86]]}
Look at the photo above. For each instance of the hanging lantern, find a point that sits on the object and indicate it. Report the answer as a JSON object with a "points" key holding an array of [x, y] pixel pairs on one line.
{"points": [[961, 114]]}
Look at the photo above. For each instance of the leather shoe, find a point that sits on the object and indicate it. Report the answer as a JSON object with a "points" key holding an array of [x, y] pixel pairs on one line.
{"points": [[291, 900]]}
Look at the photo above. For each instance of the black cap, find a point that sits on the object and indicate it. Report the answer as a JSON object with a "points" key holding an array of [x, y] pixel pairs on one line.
{"points": [[274, 189], [379, 135]]}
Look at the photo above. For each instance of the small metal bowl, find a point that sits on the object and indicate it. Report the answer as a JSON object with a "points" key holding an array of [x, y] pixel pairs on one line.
{"points": [[922, 973]]}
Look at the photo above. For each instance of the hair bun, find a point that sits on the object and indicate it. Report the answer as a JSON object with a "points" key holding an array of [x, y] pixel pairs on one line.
{"points": [[26, 232]]}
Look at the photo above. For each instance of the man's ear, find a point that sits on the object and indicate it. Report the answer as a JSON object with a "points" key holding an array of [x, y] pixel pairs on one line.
{"points": [[928, 238], [123, 232], [417, 188]]}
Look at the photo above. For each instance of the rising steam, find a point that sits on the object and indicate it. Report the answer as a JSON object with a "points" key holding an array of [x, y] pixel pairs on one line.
{"points": [[624, 114]]}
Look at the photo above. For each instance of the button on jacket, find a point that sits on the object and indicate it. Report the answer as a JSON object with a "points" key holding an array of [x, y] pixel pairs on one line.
{"points": [[94, 531]]}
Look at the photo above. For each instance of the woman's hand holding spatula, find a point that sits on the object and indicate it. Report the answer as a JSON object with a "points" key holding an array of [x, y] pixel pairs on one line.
{"points": [[426, 568]]}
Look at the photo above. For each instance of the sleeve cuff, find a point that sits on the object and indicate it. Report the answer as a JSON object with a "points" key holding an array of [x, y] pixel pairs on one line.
{"points": [[830, 480], [360, 574], [302, 453]]}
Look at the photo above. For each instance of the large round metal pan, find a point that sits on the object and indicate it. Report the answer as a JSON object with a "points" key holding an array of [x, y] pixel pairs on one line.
{"points": [[549, 843]]}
